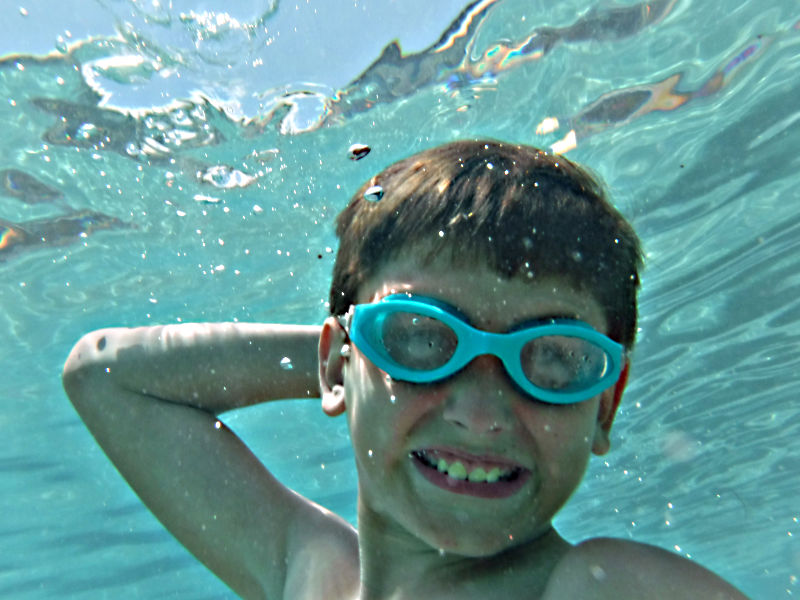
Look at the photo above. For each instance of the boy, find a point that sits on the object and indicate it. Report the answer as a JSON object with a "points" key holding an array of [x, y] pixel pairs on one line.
{"points": [[483, 307]]}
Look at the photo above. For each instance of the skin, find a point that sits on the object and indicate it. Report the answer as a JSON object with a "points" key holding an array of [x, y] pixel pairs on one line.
{"points": [[418, 540], [404, 519], [151, 396]]}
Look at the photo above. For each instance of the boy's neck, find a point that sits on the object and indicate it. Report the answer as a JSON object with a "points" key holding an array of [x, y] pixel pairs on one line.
{"points": [[397, 565]]}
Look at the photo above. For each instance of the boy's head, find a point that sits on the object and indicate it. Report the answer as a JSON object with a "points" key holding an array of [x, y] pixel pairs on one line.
{"points": [[521, 211], [462, 243]]}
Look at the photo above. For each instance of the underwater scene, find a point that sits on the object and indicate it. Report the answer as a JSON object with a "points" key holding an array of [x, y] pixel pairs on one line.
{"points": [[171, 161]]}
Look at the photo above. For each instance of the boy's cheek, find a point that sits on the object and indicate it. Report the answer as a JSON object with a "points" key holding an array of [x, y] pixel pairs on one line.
{"points": [[398, 397], [411, 405], [395, 411], [563, 436]]}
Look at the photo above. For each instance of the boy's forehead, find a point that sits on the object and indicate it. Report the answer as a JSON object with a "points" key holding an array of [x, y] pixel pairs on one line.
{"points": [[490, 300]]}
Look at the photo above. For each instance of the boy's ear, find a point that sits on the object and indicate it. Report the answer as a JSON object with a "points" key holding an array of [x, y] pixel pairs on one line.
{"points": [[609, 403], [331, 367]]}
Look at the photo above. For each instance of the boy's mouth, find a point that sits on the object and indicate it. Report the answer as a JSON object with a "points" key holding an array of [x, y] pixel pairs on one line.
{"points": [[469, 475]]}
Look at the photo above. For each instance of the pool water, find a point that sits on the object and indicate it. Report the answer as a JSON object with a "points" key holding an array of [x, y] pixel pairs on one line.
{"points": [[184, 161]]}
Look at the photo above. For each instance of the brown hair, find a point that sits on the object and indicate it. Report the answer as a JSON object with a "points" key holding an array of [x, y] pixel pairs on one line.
{"points": [[522, 210]]}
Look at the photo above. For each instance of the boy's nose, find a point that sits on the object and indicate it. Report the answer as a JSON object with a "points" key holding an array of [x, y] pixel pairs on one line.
{"points": [[479, 398]]}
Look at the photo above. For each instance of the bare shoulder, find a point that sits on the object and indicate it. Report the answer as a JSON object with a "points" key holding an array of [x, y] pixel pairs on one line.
{"points": [[607, 568]]}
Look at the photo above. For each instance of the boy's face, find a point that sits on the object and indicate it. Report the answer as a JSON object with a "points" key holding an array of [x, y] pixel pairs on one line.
{"points": [[477, 414]]}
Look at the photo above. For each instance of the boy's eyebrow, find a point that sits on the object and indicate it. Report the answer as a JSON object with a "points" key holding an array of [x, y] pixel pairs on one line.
{"points": [[533, 321], [549, 317], [514, 327]]}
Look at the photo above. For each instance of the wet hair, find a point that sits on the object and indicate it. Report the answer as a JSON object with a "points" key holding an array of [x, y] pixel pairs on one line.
{"points": [[521, 210]]}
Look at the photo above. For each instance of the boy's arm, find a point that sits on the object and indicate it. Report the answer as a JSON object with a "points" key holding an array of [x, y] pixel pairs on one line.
{"points": [[150, 395]]}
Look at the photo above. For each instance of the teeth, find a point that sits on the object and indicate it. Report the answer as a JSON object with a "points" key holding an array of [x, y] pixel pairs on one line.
{"points": [[458, 471], [477, 476]]}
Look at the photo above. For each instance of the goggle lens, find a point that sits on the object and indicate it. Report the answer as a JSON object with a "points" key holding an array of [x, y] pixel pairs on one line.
{"points": [[569, 364], [416, 341]]}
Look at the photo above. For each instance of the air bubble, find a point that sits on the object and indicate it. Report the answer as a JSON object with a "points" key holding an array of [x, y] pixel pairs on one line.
{"points": [[597, 572], [224, 177], [86, 130], [374, 193], [286, 364], [358, 151], [61, 44]]}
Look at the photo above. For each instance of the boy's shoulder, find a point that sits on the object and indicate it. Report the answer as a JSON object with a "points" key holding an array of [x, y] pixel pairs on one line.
{"points": [[608, 568]]}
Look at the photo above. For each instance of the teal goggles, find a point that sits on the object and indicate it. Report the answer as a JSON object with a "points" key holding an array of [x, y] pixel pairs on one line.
{"points": [[422, 340]]}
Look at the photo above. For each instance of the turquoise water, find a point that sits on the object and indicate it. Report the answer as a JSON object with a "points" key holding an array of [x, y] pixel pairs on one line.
{"points": [[187, 166]]}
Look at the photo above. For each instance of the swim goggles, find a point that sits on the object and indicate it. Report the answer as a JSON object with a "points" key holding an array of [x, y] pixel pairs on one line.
{"points": [[423, 340]]}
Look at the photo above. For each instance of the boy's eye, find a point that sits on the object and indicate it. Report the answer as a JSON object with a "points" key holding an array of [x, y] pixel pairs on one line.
{"points": [[416, 341], [559, 362]]}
